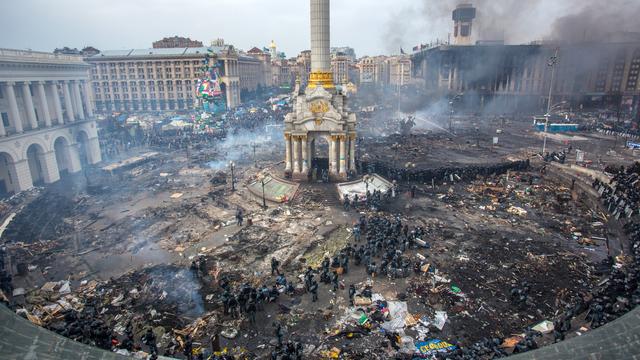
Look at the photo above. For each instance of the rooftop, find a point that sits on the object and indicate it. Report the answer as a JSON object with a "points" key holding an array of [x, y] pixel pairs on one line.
{"points": [[151, 52], [40, 57]]}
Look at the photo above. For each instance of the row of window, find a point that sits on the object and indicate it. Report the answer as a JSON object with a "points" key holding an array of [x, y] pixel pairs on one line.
{"points": [[148, 70], [149, 63], [143, 96], [152, 89]]}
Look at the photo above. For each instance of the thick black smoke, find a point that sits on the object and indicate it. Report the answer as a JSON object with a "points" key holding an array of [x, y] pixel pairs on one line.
{"points": [[514, 21]]}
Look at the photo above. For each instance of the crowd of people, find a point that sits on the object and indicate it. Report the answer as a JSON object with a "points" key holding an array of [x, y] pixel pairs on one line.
{"points": [[441, 175], [118, 138], [378, 244]]}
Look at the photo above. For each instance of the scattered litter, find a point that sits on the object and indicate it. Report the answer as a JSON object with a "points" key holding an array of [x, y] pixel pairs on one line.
{"points": [[544, 327]]}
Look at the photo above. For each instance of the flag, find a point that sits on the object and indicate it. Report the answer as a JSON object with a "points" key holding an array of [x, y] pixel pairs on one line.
{"points": [[402, 51]]}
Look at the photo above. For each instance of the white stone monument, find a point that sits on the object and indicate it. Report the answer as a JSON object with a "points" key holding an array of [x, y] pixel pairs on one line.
{"points": [[320, 111]]}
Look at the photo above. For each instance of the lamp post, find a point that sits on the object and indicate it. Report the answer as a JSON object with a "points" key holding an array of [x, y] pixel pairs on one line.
{"points": [[552, 62], [451, 116], [451, 110], [232, 166], [264, 201], [255, 160]]}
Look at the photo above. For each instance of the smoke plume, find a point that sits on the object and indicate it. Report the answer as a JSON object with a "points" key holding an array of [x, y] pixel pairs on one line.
{"points": [[514, 21]]}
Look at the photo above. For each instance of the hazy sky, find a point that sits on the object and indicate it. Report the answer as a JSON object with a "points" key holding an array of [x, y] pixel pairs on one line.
{"points": [[370, 26]]}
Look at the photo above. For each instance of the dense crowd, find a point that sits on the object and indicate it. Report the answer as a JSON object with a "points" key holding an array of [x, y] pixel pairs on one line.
{"points": [[441, 175], [117, 139]]}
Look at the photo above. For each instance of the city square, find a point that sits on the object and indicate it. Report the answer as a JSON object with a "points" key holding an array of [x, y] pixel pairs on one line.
{"points": [[472, 197]]}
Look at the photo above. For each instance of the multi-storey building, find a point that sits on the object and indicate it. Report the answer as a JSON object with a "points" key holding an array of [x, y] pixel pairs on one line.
{"points": [[303, 64], [345, 51], [283, 73], [252, 73], [47, 128], [372, 70], [176, 42], [266, 77], [519, 76], [340, 68], [162, 79], [399, 70]]}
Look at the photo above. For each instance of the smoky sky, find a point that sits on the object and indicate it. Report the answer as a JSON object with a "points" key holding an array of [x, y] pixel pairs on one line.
{"points": [[371, 27]]}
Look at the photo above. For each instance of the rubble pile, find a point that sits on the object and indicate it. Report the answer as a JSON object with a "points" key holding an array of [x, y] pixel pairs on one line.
{"points": [[43, 218], [480, 259]]}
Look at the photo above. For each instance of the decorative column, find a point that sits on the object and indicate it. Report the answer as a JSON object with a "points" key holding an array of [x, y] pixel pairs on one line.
{"points": [[76, 91], [3, 132], [50, 171], [74, 159], [352, 152], [342, 155], [53, 91], [14, 114], [305, 154], [287, 152], [28, 104], [67, 102], [296, 156], [87, 98], [23, 176], [44, 105], [93, 151], [333, 162]]}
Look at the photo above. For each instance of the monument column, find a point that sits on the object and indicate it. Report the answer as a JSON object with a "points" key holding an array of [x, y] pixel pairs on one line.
{"points": [[352, 152], [305, 155], [343, 155], [296, 156], [287, 152]]}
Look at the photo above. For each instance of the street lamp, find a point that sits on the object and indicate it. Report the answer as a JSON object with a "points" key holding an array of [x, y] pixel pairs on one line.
{"points": [[255, 160], [552, 62], [451, 116], [451, 103], [232, 166], [264, 201]]}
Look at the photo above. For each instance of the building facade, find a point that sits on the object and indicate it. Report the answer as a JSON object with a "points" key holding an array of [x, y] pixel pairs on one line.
{"points": [[251, 71], [399, 70], [519, 76], [303, 66], [340, 68], [176, 42], [265, 71], [372, 70], [283, 73], [161, 79], [48, 127], [347, 51]]}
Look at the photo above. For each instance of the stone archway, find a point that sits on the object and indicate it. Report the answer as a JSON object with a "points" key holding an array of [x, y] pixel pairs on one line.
{"points": [[319, 153], [8, 183], [36, 159], [63, 155]]}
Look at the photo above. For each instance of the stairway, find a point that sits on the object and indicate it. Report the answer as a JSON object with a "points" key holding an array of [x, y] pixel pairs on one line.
{"points": [[325, 194]]}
